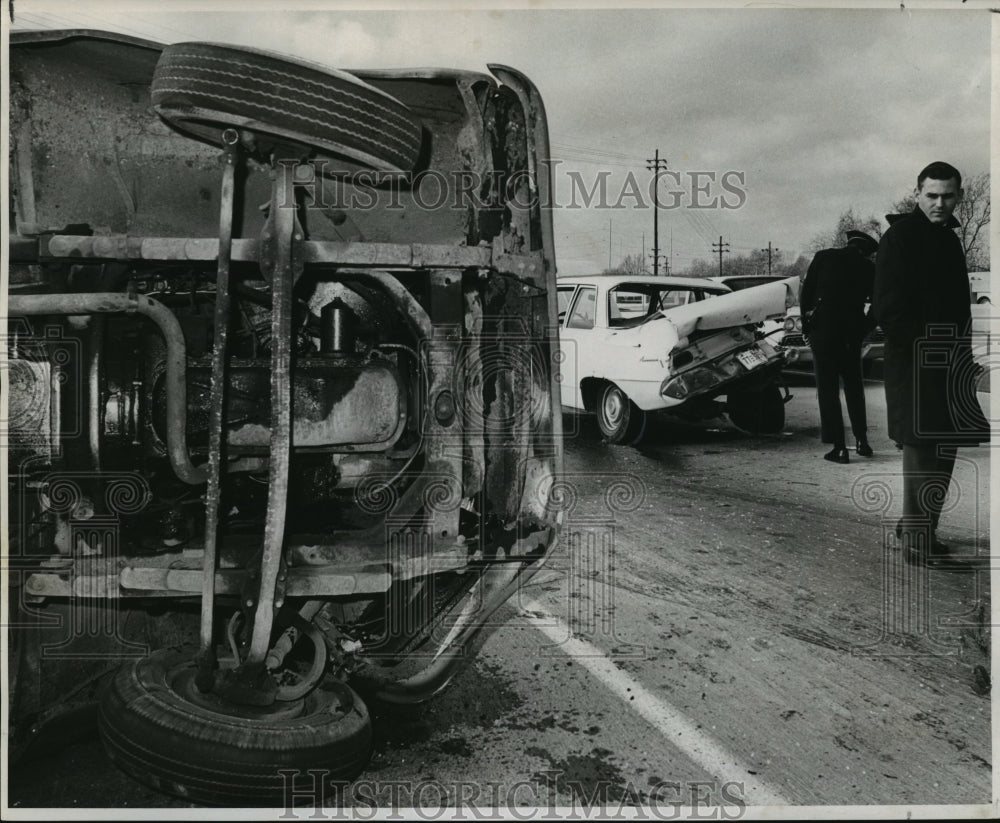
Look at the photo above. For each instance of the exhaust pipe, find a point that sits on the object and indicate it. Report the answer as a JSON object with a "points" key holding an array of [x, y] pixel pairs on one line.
{"points": [[176, 385]]}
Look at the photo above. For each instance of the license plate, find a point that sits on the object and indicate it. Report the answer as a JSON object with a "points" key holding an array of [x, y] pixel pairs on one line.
{"points": [[751, 358]]}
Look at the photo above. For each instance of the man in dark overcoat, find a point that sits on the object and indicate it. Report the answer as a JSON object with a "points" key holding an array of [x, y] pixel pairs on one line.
{"points": [[834, 294], [922, 302]]}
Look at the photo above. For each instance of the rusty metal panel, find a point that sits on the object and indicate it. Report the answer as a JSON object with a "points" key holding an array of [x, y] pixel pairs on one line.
{"points": [[87, 149], [206, 249], [153, 581], [346, 405]]}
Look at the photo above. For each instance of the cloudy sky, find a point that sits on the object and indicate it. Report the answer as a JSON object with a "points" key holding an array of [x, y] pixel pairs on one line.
{"points": [[813, 110]]}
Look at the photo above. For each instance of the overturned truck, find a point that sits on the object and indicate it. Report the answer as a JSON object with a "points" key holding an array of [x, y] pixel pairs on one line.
{"points": [[283, 417]]}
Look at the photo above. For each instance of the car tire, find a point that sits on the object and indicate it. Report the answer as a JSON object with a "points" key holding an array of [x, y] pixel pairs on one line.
{"points": [[204, 88], [757, 411], [620, 420], [157, 727]]}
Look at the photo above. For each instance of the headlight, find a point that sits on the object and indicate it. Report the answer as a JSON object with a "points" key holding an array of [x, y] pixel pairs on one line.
{"points": [[789, 324]]}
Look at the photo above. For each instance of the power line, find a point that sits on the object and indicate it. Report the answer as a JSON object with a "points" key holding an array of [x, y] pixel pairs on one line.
{"points": [[38, 22], [656, 165], [155, 26], [590, 162], [666, 263], [50, 21], [590, 150], [702, 225], [769, 251], [721, 248], [560, 152], [21, 25]]}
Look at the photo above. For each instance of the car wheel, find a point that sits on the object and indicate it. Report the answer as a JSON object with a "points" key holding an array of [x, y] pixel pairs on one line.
{"points": [[158, 727], [619, 419], [203, 88], [758, 411]]}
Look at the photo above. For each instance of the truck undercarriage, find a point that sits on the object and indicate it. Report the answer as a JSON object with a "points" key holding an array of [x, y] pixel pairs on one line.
{"points": [[277, 410]]}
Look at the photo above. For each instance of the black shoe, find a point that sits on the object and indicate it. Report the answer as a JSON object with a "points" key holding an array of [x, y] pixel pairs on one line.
{"points": [[864, 449], [938, 549], [955, 564], [939, 557], [838, 454]]}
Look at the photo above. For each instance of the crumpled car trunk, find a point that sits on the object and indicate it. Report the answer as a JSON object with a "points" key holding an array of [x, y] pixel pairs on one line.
{"points": [[738, 308]]}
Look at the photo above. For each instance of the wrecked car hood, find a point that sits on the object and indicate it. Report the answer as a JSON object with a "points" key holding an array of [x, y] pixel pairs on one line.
{"points": [[737, 308]]}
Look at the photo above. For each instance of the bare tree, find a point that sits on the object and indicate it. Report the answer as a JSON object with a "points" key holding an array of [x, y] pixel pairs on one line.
{"points": [[753, 264], [796, 269], [702, 268], [848, 221], [973, 213], [632, 265], [904, 206]]}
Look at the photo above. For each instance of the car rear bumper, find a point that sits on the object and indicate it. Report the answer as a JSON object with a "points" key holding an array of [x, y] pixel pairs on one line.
{"points": [[719, 377]]}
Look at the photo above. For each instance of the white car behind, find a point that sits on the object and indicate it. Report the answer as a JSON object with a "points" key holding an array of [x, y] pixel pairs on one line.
{"points": [[634, 345]]}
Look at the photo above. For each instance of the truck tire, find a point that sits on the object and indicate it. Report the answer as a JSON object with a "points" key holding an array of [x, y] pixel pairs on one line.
{"points": [[620, 420], [159, 728], [203, 88], [757, 411]]}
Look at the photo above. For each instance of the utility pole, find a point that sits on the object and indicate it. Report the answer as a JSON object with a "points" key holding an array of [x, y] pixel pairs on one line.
{"points": [[656, 165], [720, 248], [769, 250], [666, 263]]}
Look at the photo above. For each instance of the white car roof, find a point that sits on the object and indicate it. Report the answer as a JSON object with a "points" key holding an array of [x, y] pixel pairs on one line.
{"points": [[758, 279], [612, 280]]}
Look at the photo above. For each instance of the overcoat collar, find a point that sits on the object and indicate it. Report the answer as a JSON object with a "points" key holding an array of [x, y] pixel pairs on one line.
{"points": [[919, 215]]}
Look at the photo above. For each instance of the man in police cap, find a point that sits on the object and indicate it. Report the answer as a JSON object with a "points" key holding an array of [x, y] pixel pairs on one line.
{"points": [[834, 295]]}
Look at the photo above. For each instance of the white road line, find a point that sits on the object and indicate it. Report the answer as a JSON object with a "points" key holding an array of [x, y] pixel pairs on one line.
{"points": [[670, 722]]}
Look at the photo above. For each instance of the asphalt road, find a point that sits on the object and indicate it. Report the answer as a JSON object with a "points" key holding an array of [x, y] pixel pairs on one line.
{"points": [[726, 622]]}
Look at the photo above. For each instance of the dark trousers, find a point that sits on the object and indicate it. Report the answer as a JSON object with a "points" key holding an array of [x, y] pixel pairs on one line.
{"points": [[832, 364], [927, 470]]}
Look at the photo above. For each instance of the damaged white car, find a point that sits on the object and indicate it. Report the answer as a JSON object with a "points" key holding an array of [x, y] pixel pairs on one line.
{"points": [[633, 345]]}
